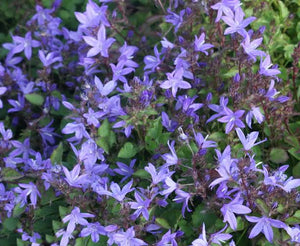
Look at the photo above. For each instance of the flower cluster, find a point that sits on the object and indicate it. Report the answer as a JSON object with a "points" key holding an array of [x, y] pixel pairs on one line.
{"points": [[119, 139]]}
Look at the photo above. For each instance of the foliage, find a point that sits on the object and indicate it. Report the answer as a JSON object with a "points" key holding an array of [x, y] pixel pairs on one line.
{"points": [[149, 122]]}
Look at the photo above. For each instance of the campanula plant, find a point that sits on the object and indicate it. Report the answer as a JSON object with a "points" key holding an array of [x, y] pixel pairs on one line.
{"points": [[146, 124]]}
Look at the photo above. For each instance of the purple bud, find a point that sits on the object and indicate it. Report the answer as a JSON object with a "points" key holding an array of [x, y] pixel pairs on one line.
{"points": [[180, 39], [237, 78], [188, 11], [130, 34], [262, 29], [208, 98]]}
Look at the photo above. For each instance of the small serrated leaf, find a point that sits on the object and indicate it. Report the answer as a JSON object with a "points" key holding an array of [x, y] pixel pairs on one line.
{"points": [[163, 223], [56, 156], [141, 173], [35, 99], [10, 174], [127, 151], [278, 155]]}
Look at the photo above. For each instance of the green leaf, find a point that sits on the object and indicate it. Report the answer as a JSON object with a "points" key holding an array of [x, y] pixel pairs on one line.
{"points": [[295, 152], [107, 138], [296, 170], [203, 214], [35, 99], [284, 12], [18, 210], [141, 173], [20, 242], [56, 156], [10, 224], [292, 220], [297, 214], [63, 211], [278, 155], [292, 140], [229, 74], [80, 242], [281, 209], [10, 174], [163, 223], [127, 151], [104, 129], [56, 225], [50, 239], [186, 227], [262, 206], [103, 143]]}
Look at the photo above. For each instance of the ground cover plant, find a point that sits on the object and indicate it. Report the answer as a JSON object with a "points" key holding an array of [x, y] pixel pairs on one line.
{"points": [[150, 123]]}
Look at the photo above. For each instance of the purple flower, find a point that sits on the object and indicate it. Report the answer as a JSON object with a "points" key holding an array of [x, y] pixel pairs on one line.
{"points": [[199, 44], [264, 225], [167, 44], [219, 237], [2, 91], [171, 159], [152, 62], [127, 238], [255, 111], [112, 106], [125, 170], [168, 239], [170, 125], [22, 148], [47, 134], [157, 176], [25, 44], [66, 236], [182, 197], [27, 237], [175, 81], [92, 117], [141, 206], [187, 105], [202, 142], [225, 7], [219, 109], [75, 217], [232, 119], [93, 229], [201, 241], [92, 16], [100, 45], [294, 233], [290, 184], [249, 141], [6, 134], [237, 22], [226, 167], [265, 67], [216, 238], [105, 89], [175, 19], [234, 207], [77, 128], [29, 189], [49, 59], [119, 71], [119, 194], [73, 178], [127, 52], [18, 105], [169, 187], [250, 47]]}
